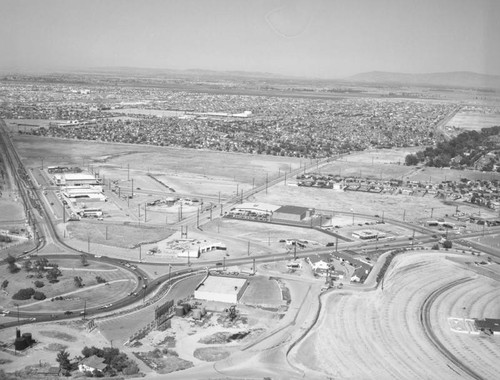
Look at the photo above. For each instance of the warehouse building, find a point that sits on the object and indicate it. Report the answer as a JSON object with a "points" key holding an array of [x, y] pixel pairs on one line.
{"points": [[227, 289], [293, 213], [76, 179], [84, 193]]}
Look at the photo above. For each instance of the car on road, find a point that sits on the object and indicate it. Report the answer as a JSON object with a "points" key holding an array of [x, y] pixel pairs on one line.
{"points": [[33, 319], [68, 312]]}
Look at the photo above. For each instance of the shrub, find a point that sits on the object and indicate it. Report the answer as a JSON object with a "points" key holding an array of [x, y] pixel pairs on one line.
{"points": [[24, 294], [447, 244], [100, 280], [39, 284]]}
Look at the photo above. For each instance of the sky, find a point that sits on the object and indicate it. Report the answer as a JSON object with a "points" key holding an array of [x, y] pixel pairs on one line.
{"points": [[308, 38]]}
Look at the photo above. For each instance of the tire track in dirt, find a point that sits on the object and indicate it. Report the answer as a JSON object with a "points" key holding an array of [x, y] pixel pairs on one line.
{"points": [[425, 321]]}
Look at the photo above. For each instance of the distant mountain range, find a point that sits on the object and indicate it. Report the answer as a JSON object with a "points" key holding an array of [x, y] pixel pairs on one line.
{"points": [[457, 79], [450, 79]]}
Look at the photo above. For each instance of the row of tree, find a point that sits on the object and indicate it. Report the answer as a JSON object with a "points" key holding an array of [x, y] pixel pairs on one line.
{"points": [[469, 146]]}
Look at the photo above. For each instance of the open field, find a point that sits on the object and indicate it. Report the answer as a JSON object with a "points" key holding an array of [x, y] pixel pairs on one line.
{"points": [[474, 121], [116, 235], [394, 206], [395, 343], [206, 166]]}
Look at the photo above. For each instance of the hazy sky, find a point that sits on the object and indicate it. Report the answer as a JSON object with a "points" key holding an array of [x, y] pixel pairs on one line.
{"points": [[315, 38]]}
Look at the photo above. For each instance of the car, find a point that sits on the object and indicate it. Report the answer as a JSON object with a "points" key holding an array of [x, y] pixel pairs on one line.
{"points": [[68, 312], [218, 264], [32, 319]]}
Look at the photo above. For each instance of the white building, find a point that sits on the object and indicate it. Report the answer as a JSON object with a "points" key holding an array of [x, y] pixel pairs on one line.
{"points": [[76, 179], [227, 289]]}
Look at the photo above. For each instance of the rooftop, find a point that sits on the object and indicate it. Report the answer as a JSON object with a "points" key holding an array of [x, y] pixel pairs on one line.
{"points": [[222, 284]]}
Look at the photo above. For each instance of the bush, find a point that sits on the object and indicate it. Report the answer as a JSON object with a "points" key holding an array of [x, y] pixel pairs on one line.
{"points": [[100, 280], [39, 296], [5, 239], [39, 284], [447, 244], [24, 294]]}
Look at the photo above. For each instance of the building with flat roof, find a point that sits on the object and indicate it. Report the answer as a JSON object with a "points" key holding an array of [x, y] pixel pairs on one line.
{"points": [[293, 213], [368, 234], [76, 179], [227, 289]]}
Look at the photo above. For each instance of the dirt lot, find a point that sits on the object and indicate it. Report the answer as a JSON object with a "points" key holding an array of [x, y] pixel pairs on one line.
{"points": [[387, 319], [470, 120]]}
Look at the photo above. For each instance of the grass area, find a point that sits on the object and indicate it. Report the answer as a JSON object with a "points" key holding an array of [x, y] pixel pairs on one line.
{"points": [[121, 282], [210, 354], [262, 290], [58, 335]]}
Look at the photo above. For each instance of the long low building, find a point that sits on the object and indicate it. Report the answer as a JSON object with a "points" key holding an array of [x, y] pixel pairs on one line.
{"points": [[76, 179], [227, 289], [84, 193]]}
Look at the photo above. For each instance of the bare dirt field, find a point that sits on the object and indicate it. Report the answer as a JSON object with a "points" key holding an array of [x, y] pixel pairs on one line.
{"points": [[49, 336], [473, 120], [380, 334], [206, 166]]}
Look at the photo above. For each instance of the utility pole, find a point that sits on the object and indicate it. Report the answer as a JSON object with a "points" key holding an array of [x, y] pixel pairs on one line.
{"points": [[145, 212], [132, 187], [128, 172], [140, 252], [404, 215], [88, 243], [248, 249]]}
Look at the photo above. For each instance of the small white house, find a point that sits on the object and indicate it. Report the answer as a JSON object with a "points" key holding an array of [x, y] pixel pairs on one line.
{"points": [[91, 364]]}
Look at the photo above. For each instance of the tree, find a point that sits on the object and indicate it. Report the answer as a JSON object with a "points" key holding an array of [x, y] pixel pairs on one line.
{"points": [[40, 264], [53, 273], [5, 283], [411, 160], [39, 284], [39, 296], [24, 294], [63, 360], [11, 261], [78, 282], [28, 265], [84, 260], [447, 244]]}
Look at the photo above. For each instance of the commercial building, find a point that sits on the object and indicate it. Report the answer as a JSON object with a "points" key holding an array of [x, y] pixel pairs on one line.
{"points": [[76, 179], [488, 326], [227, 289], [368, 234], [84, 193], [196, 249], [293, 213]]}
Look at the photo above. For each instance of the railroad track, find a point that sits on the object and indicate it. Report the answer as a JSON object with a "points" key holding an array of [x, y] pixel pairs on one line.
{"points": [[426, 324]]}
